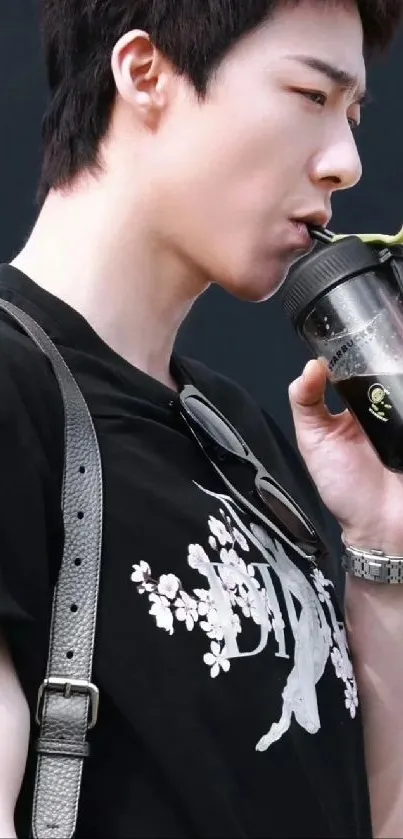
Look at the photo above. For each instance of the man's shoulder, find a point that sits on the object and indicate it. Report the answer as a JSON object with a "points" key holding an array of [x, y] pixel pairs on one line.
{"points": [[29, 394], [15, 345], [21, 361]]}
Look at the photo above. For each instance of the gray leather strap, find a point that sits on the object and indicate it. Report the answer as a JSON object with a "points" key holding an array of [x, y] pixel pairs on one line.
{"points": [[68, 702]]}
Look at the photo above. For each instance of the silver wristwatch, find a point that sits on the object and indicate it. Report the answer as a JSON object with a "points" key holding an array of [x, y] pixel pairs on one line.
{"points": [[375, 566]]}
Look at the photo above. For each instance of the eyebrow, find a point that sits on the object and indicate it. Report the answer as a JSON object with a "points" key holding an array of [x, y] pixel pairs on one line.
{"points": [[342, 78]]}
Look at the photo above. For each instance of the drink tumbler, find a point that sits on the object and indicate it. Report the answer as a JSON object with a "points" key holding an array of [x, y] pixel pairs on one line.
{"points": [[346, 301]]}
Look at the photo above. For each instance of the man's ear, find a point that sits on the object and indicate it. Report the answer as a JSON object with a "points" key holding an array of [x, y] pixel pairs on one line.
{"points": [[142, 75]]}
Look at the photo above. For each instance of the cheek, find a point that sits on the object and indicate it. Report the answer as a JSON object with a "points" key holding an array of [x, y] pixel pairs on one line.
{"points": [[255, 165], [233, 151], [226, 180]]}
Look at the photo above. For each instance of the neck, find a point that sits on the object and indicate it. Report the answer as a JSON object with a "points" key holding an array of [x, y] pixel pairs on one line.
{"points": [[110, 267]]}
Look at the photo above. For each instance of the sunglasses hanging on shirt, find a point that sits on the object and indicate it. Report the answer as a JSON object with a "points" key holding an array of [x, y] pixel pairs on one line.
{"points": [[214, 433]]}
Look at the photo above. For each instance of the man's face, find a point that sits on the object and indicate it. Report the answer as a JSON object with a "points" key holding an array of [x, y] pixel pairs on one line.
{"points": [[269, 145]]}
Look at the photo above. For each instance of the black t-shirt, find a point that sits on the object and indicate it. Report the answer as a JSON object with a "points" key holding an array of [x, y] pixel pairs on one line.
{"points": [[249, 731]]}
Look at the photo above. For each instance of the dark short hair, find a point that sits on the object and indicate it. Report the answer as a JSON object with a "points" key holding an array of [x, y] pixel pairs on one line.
{"points": [[195, 35]]}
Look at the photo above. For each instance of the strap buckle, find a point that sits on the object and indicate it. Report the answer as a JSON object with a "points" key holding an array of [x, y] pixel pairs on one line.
{"points": [[68, 687]]}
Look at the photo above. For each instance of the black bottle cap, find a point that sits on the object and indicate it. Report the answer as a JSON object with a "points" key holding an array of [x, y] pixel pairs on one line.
{"points": [[325, 267]]}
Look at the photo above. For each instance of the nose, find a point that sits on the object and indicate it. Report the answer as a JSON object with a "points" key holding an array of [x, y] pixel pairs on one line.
{"points": [[338, 165]]}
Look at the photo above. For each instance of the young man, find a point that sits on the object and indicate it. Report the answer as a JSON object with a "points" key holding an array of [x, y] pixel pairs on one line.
{"points": [[188, 143]]}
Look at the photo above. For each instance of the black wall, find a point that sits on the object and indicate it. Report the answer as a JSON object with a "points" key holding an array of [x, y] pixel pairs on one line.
{"points": [[251, 343]]}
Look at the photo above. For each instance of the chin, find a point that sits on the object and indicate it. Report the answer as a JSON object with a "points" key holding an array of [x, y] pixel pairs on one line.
{"points": [[256, 287]]}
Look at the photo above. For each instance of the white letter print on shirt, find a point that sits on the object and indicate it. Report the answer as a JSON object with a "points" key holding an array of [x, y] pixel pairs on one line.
{"points": [[234, 584]]}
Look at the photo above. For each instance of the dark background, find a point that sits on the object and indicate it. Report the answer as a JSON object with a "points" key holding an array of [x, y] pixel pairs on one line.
{"points": [[251, 343]]}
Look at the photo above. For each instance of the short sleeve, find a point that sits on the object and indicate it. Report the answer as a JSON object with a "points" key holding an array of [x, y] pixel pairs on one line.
{"points": [[30, 490]]}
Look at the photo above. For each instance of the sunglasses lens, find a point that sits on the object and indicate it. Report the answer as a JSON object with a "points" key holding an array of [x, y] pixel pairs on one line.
{"points": [[289, 518], [215, 427]]}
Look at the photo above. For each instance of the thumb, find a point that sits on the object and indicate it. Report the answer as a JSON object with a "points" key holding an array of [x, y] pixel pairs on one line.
{"points": [[307, 398]]}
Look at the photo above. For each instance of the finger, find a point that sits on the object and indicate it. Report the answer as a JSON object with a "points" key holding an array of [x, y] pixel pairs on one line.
{"points": [[307, 396]]}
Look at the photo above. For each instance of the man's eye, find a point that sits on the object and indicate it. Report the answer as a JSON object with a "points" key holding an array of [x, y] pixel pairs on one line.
{"points": [[315, 96]]}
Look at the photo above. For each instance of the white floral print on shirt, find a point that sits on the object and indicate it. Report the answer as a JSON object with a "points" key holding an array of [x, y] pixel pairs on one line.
{"points": [[170, 602], [240, 590], [167, 592]]}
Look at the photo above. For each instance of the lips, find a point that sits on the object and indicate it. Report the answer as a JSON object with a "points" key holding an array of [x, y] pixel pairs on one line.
{"points": [[303, 238]]}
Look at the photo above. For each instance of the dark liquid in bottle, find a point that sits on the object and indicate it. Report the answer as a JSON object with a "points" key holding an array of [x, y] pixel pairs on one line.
{"points": [[377, 403]]}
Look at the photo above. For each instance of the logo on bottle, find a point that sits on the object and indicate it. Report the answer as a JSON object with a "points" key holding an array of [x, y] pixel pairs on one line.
{"points": [[380, 405]]}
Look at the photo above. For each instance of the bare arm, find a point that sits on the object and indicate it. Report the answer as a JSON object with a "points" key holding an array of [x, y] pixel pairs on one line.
{"points": [[14, 739], [375, 624]]}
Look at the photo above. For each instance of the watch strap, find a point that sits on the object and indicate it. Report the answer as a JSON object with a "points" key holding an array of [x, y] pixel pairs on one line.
{"points": [[374, 566]]}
